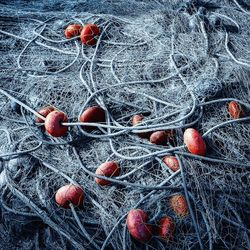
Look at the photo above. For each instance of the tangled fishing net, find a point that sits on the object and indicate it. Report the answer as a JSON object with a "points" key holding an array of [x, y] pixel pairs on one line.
{"points": [[177, 63]]}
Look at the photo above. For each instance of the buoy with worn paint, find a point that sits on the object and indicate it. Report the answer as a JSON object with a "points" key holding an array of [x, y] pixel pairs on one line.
{"points": [[235, 110], [179, 205], [73, 30], [165, 228], [171, 162], [89, 34]]}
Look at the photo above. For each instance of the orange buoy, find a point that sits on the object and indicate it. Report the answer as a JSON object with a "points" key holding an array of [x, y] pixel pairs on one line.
{"points": [[235, 110], [179, 204]]}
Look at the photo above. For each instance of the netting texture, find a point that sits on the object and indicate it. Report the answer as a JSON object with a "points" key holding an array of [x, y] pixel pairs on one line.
{"points": [[179, 63]]}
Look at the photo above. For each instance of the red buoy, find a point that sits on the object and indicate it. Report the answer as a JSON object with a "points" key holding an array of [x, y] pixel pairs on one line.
{"points": [[137, 225], [161, 137], [194, 142], [69, 194], [165, 228], [53, 123], [108, 169], [44, 112], [92, 114], [171, 162], [137, 119], [73, 30], [235, 110], [89, 34], [179, 204]]}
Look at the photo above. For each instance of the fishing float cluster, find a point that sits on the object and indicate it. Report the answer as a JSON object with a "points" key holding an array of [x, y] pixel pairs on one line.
{"points": [[137, 219], [56, 124]]}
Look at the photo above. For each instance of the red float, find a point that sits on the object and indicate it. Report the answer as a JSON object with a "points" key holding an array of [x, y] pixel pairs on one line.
{"points": [[69, 194], [235, 110], [108, 169], [171, 162], [179, 204], [92, 114], [44, 112], [73, 30], [165, 228], [162, 137], [137, 225], [53, 123], [194, 142], [89, 34], [137, 119]]}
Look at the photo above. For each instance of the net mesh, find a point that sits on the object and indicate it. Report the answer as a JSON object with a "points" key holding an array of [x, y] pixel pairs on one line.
{"points": [[178, 63]]}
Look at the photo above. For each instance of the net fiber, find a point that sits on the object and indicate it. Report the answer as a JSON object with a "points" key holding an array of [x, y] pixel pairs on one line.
{"points": [[177, 63]]}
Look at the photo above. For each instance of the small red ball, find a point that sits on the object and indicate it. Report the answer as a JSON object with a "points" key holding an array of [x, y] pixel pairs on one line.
{"points": [[137, 119], [73, 30], [165, 228], [53, 123], [108, 169], [194, 142], [161, 137], [171, 162], [92, 114], [179, 204], [70, 194], [235, 110], [44, 112], [89, 34], [137, 225]]}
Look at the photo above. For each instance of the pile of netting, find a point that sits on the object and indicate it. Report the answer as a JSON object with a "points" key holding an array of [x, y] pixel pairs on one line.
{"points": [[177, 63]]}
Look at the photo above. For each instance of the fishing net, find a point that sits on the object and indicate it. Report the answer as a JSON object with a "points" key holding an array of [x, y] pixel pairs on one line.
{"points": [[179, 63]]}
